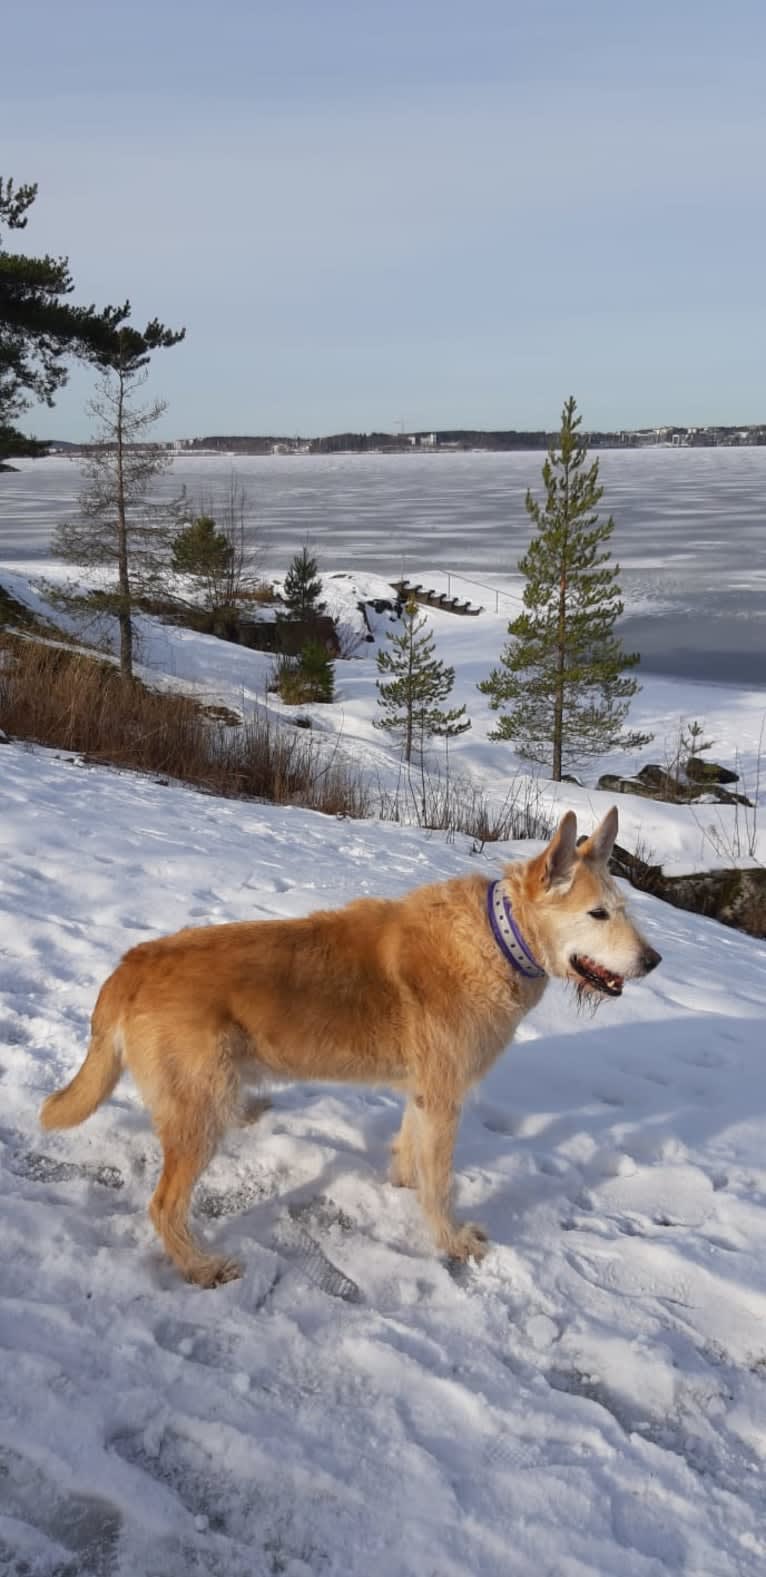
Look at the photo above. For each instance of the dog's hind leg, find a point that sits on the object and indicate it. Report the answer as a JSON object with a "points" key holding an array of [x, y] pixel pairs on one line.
{"points": [[404, 1157], [169, 1212], [437, 1124], [189, 1127]]}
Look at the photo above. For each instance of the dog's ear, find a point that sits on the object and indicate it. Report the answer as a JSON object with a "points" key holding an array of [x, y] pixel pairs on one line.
{"points": [[598, 847], [557, 862]]}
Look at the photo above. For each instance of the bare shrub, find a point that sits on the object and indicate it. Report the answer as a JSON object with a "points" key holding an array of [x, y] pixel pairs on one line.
{"points": [[733, 832], [216, 553], [262, 593], [456, 805]]}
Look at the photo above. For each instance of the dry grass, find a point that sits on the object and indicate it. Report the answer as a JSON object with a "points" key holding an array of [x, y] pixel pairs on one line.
{"points": [[73, 702], [454, 805], [263, 593], [69, 700]]}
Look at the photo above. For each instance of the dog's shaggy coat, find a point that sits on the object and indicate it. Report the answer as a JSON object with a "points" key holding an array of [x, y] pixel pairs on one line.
{"points": [[414, 993]]}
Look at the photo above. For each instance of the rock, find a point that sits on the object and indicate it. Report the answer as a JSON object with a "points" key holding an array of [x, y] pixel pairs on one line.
{"points": [[618, 785], [719, 796], [699, 771], [736, 897], [654, 773], [661, 782], [653, 782]]}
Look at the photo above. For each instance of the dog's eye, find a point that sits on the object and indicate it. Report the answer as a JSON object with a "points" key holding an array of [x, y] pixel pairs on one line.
{"points": [[599, 914]]}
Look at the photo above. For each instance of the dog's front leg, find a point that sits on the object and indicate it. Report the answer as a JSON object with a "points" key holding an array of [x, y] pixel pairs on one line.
{"points": [[404, 1150], [437, 1124]]}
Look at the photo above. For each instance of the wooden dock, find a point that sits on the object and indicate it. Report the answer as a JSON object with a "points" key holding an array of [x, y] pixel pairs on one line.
{"points": [[407, 592]]}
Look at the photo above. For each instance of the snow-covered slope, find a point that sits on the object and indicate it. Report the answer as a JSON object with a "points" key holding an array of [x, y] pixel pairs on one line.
{"points": [[590, 1402], [678, 837]]}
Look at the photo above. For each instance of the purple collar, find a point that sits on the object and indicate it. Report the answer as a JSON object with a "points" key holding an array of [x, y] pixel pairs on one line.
{"points": [[507, 934]]}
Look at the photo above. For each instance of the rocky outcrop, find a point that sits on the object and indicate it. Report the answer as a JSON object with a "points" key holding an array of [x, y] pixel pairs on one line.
{"points": [[653, 782], [617, 785], [736, 897]]}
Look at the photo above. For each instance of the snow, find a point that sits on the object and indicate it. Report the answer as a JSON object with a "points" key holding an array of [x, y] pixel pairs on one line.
{"points": [[681, 838], [591, 1400]]}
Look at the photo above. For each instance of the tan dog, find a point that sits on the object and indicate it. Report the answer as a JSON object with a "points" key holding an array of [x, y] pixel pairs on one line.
{"points": [[420, 993]]}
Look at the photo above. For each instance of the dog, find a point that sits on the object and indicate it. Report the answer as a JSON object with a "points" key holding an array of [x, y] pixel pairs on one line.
{"points": [[420, 993]]}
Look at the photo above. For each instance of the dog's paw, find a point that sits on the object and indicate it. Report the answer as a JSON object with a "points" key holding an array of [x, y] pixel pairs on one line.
{"points": [[469, 1241], [215, 1272]]}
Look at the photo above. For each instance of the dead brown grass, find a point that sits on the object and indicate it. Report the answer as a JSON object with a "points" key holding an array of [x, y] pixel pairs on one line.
{"points": [[70, 701]]}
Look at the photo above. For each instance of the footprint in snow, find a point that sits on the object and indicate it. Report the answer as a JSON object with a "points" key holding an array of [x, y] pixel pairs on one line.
{"points": [[182, 1466], [86, 1527], [232, 1201], [195, 1342], [702, 1058], [253, 1530], [13, 1034], [292, 1239], [497, 1121], [38, 1168]]}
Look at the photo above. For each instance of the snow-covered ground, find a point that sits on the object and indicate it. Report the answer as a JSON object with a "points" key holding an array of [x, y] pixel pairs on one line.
{"points": [[681, 838], [590, 1402]]}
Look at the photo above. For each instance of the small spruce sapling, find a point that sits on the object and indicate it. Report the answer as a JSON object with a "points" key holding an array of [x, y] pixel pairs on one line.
{"points": [[412, 685]]}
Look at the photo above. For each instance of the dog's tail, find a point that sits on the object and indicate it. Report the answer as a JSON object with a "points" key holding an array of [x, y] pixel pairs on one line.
{"points": [[90, 1086]]}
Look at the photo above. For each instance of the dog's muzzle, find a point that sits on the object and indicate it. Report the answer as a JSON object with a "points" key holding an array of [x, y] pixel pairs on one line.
{"points": [[594, 977]]}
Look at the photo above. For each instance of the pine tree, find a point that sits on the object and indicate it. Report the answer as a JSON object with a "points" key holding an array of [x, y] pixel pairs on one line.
{"points": [[119, 531], [411, 699], [201, 550], [40, 328], [303, 587], [217, 551], [308, 677], [563, 670], [317, 672]]}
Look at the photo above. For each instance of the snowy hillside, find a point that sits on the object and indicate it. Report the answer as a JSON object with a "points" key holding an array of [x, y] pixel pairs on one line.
{"points": [[590, 1402], [680, 837]]}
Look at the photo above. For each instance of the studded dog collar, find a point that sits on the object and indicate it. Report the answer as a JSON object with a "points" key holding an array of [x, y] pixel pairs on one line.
{"points": [[507, 934]]}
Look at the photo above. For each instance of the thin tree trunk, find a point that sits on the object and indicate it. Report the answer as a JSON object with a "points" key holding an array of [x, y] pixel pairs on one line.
{"points": [[423, 771], [561, 631], [558, 693], [410, 701], [123, 577]]}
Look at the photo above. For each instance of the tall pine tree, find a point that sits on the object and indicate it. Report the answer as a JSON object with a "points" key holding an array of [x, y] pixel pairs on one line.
{"points": [[40, 328], [563, 672], [120, 531], [411, 699]]}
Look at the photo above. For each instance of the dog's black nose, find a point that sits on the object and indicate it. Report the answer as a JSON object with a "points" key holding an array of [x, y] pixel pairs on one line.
{"points": [[650, 959]]}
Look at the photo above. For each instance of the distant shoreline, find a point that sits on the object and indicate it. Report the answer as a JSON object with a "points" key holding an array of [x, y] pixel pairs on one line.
{"points": [[449, 441]]}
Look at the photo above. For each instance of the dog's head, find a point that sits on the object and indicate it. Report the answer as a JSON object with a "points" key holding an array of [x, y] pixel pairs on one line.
{"points": [[582, 930]]}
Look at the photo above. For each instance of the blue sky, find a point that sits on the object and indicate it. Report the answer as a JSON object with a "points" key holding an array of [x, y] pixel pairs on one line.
{"points": [[445, 214]]}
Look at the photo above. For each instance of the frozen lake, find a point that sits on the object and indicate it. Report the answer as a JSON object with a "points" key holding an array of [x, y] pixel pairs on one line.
{"points": [[690, 531]]}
